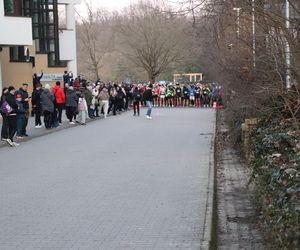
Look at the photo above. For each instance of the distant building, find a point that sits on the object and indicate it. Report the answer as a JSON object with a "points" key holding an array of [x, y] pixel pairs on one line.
{"points": [[31, 40], [190, 77]]}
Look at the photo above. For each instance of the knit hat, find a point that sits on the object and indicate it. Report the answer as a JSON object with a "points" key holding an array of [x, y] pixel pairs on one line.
{"points": [[47, 86]]}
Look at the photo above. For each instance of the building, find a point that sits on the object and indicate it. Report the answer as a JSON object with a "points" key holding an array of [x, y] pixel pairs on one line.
{"points": [[191, 77], [33, 41]]}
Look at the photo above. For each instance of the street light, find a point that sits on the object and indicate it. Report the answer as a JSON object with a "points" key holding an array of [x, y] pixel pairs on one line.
{"points": [[287, 46], [253, 36], [238, 21]]}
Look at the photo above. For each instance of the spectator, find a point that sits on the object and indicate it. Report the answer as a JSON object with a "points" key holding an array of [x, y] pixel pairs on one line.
{"points": [[76, 83], [25, 99], [37, 79], [82, 110], [4, 117], [136, 95], [88, 98], [9, 133], [104, 100], [71, 104], [60, 100], [47, 101], [36, 105], [113, 102], [20, 116], [67, 76]]}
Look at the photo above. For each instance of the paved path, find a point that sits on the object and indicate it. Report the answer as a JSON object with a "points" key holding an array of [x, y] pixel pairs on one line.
{"points": [[120, 183]]}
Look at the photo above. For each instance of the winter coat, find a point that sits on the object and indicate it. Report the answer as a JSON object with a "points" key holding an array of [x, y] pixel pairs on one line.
{"points": [[104, 95], [36, 98], [47, 100], [136, 95], [60, 97], [88, 96], [148, 95], [11, 100], [24, 95], [82, 105], [71, 98]]}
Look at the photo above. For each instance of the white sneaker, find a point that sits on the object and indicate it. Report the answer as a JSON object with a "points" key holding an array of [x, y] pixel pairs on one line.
{"points": [[72, 123], [16, 144], [9, 142]]}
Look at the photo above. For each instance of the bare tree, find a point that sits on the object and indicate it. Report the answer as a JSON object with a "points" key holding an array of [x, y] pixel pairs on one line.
{"points": [[96, 40], [151, 36]]}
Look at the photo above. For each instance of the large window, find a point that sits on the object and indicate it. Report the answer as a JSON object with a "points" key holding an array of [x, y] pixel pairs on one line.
{"points": [[45, 28], [17, 54]]}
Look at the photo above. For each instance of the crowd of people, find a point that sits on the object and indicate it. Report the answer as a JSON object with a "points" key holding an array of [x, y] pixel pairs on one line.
{"points": [[81, 100]]}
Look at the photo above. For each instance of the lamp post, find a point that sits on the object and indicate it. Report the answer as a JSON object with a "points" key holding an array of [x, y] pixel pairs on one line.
{"points": [[253, 37], [287, 46], [238, 10]]}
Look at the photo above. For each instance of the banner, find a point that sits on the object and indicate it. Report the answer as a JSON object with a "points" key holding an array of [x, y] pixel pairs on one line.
{"points": [[52, 77]]}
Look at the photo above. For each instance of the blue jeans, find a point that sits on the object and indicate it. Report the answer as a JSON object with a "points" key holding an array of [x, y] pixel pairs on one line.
{"points": [[149, 105], [20, 123]]}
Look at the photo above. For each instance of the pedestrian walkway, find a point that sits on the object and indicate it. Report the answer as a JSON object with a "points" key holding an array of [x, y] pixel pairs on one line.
{"points": [[237, 220], [123, 183], [37, 132]]}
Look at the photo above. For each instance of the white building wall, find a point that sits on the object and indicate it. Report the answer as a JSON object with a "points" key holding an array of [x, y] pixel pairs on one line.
{"points": [[67, 38], [14, 30]]}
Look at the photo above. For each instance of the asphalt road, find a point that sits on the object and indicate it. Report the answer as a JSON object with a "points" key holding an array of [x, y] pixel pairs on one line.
{"points": [[121, 183]]}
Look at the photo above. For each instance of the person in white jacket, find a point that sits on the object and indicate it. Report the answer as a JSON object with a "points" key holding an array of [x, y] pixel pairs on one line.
{"points": [[82, 110]]}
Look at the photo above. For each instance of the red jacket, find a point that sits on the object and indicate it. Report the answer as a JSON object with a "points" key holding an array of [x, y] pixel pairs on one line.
{"points": [[60, 96]]}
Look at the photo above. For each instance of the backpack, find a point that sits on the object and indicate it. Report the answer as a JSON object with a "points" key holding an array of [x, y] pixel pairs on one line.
{"points": [[138, 95], [6, 108]]}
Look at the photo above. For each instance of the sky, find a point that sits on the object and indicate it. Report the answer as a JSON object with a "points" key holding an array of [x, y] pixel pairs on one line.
{"points": [[109, 4]]}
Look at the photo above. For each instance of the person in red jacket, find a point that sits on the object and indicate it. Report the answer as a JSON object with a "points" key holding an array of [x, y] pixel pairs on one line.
{"points": [[60, 100]]}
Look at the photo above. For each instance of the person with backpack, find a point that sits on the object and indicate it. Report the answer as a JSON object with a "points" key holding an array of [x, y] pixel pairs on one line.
{"points": [[137, 97], [36, 105], [9, 108]]}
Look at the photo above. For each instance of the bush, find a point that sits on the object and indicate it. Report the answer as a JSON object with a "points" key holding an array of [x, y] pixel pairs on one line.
{"points": [[276, 170]]}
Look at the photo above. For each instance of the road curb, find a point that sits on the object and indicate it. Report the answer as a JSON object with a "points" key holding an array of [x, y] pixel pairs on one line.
{"points": [[208, 221], [55, 130]]}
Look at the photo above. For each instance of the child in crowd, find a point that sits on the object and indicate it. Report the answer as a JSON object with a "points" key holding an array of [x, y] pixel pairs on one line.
{"points": [[20, 116], [82, 110]]}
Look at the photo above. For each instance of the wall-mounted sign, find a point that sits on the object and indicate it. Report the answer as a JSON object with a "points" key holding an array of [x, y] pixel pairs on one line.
{"points": [[52, 77]]}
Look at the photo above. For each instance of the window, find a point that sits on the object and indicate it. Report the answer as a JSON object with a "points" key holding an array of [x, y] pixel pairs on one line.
{"points": [[45, 29], [13, 7], [17, 54]]}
